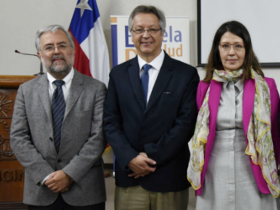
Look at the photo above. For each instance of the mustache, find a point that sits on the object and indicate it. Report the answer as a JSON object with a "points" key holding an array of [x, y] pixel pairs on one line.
{"points": [[57, 57]]}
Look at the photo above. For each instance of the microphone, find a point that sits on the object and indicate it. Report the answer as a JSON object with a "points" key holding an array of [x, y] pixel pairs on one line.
{"points": [[41, 65], [16, 51]]}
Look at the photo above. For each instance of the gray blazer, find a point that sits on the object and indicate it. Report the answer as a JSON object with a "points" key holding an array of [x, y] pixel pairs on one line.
{"points": [[81, 147]]}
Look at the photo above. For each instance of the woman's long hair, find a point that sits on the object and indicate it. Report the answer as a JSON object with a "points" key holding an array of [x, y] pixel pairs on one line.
{"points": [[250, 60]]}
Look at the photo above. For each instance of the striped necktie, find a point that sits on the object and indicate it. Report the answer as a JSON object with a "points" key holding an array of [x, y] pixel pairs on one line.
{"points": [[145, 80], [58, 110]]}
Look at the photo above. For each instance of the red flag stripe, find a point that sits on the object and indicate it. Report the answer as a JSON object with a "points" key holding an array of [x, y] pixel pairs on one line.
{"points": [[81, 61]]}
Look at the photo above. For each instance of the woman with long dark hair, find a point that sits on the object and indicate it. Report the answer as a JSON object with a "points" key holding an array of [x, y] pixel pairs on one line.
{"points": [[235, 148]]}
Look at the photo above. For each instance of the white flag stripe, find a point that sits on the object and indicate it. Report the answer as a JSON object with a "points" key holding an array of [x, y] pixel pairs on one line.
{"points": [[95, 48]]}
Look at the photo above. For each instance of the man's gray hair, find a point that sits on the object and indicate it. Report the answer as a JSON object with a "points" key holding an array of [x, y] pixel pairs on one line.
{"points": [[52, 28], [148, 10]]}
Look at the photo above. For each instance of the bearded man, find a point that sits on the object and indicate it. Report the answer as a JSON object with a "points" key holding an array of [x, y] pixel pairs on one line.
{"points": [[56, 131]]}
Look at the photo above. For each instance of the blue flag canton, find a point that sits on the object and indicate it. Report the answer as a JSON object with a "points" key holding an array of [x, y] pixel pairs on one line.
{"points": [[80, 26]]}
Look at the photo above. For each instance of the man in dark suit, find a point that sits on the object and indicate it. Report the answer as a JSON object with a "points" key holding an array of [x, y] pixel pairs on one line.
{"points": [[149, 117], [57, 132]]}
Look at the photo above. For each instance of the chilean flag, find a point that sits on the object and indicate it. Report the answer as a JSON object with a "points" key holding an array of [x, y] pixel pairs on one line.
{"points": [[91, 57]]}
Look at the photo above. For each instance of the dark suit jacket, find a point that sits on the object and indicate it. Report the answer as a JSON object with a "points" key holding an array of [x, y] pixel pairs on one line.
{"points": [[162, 129], [82, 141]]}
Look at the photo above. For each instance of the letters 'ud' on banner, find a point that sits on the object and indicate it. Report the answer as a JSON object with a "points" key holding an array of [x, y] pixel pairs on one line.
{"points": [[176, 40], [91, 57]]}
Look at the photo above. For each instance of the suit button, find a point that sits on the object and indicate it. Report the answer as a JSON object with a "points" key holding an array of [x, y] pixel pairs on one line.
{"points": [[51, 139], [59, 160]]}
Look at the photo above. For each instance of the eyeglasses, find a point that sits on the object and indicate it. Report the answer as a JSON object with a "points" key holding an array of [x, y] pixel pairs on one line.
{"points": [[236, 47], [60, 47], [151, 30]]}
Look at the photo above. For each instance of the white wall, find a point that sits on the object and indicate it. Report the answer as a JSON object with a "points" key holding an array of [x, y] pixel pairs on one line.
{"points": [[20, 20]]}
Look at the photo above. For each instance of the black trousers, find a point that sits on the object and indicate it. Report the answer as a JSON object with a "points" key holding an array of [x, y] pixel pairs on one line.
{"points": [[60, 204]]}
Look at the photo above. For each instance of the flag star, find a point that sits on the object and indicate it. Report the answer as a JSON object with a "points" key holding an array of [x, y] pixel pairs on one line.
{"points": [[83, 5]]}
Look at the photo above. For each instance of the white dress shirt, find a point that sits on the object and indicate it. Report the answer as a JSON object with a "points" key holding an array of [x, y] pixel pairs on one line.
{"points": [[153, 72], [65, 88]]}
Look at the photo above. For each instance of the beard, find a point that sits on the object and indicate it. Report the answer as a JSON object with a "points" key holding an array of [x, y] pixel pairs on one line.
{"points": [[52, 68]]}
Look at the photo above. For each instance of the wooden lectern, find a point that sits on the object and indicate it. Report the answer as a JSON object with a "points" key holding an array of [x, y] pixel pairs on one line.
{"points": [[11, 171]]}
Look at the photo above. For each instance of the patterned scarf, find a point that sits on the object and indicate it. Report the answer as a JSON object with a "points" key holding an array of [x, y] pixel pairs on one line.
{"points": [[260, 145]]}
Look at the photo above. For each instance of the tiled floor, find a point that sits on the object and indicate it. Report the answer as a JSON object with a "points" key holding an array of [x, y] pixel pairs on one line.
{"points": [[110, 187]]}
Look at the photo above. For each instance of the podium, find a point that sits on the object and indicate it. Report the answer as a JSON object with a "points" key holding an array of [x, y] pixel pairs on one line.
{"points": [[11, 171]]}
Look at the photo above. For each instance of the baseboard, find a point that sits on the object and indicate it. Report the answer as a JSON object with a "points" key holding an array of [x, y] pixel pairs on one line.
{"points": [[13, 205]]}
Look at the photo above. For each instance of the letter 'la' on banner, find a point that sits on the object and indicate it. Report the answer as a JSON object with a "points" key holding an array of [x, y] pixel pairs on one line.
{"points": [[91, 57], [176, 39]]}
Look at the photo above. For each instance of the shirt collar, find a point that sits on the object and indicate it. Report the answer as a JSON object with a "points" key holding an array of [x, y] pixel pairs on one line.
{"points": [[239, 84], [156, 63], [67, 79]]}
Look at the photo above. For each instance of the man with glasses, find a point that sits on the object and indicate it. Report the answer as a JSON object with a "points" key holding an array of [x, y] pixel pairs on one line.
{"points": [[149, 117], [56, 131]]}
